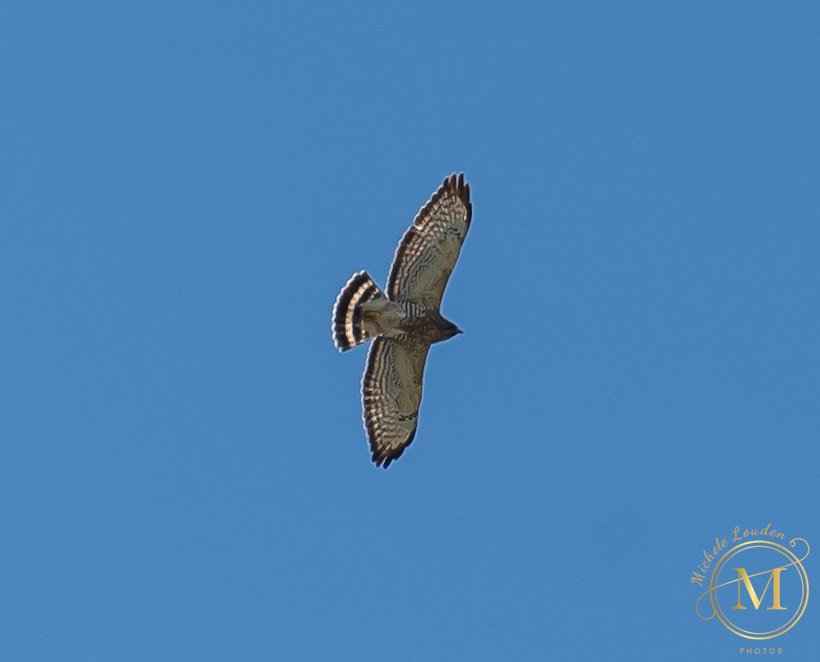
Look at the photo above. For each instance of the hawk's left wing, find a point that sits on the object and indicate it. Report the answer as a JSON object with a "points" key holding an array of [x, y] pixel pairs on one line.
{"points": [[429, 249], [391, 394]]}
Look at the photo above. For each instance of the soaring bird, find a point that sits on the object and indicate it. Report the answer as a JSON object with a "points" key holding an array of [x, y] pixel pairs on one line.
{"points": [[405, 321]]}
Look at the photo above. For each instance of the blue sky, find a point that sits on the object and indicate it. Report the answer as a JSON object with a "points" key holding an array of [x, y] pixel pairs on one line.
{"points": [[183, 191]]}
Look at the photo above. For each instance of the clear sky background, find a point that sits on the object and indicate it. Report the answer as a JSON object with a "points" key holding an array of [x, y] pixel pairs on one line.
{"points": [[183, 191]]}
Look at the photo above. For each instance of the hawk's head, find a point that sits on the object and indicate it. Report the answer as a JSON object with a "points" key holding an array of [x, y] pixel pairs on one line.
{"points": [[448, 330]]}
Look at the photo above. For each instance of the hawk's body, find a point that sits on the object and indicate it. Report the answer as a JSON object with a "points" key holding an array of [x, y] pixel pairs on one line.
{"points": [[405, 321]]}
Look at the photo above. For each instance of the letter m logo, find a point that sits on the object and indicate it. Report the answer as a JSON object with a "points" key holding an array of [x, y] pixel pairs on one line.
{"points": [[743, 580]]}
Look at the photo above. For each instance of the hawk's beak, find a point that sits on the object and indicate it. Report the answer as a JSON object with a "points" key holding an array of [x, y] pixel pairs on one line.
{"points": [[459, 331]]}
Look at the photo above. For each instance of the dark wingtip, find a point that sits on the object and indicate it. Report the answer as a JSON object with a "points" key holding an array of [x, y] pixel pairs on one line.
{"points": [[456, 183], [381, 460], [453, 183], [384, 458]]}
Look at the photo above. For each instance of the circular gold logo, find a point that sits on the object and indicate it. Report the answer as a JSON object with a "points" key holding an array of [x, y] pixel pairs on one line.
{"points": [[759, 589]]}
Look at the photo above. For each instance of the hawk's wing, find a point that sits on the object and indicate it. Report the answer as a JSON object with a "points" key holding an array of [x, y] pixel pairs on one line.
{"points": [[391, 393], [429, 249]]}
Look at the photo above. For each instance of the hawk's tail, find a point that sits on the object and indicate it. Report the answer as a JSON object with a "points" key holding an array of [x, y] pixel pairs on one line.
{"points": [[348, 330]]}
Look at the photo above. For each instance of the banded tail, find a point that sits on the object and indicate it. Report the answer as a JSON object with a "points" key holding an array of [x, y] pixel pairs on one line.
{"points": [[348, 330]]}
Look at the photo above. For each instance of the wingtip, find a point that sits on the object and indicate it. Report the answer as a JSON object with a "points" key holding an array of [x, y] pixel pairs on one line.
{"points": [[454, 180], [383, 461], [380, 460], [462, 189]]}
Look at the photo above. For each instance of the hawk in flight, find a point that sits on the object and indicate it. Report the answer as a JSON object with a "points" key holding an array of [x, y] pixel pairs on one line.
{"points": [[406, 321]]}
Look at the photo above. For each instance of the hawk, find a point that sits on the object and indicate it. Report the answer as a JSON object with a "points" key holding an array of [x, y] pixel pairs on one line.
{"points": [[406, 321]]}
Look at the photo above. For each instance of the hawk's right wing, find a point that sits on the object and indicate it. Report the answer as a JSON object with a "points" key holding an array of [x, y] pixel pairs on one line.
{"points": [[428, 251], [391, 394]]}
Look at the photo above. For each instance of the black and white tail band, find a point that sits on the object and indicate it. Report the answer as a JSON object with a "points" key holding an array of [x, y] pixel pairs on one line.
{"points": [[348, 330]]}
